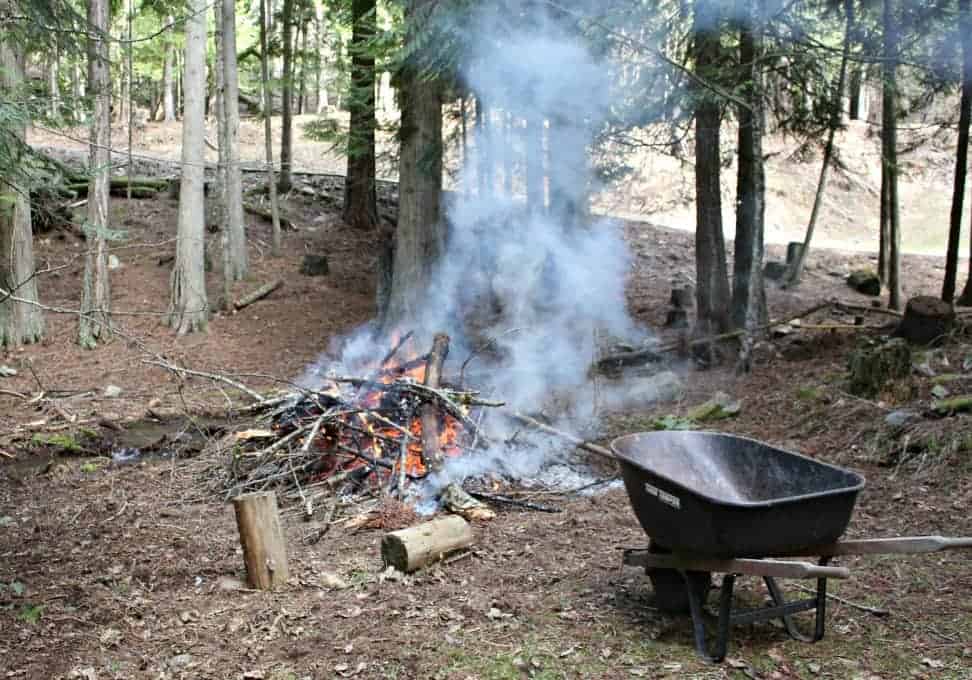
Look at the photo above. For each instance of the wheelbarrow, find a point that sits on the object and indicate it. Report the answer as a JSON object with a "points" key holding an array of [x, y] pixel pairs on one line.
{"points": [[714, 502]]}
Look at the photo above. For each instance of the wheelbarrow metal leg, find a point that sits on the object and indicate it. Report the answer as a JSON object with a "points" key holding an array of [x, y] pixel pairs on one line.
{"points": [[696, 583]]}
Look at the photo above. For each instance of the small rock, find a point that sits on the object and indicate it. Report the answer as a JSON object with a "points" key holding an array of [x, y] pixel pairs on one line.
{"points": [[865, 281], [940, 391], [814, 668], [900, 418], [332, 581], [7, 372], [229, 583], [112, 391], [314, 265], [114, 263], [663, 386], [180, 660]]}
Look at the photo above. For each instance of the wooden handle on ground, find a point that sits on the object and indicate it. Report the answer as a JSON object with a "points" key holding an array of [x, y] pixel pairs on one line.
{"points": [[902, 545], [777, 568]]}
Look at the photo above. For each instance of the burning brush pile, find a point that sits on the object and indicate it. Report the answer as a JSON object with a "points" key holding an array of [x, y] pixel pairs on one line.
{"points": [[380, 434]]}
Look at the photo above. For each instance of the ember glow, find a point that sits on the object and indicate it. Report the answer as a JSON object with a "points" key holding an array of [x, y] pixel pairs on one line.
{"points": [[370, 426]]}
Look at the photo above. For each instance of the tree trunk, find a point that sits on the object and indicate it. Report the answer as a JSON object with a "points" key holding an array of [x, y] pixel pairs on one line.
{"points": [[217, 207], [360, 199], [748, 293], [567, 172], [857, 76], [961, 153], [795, 268], [188, 307], [53, 83], [484, 162], [533, 149], [321, 85], [285, 182], [302, 79], [168, 77], [420, 237], [268, 130], [889, 166], [508, 154], [236, 264], [712, 279], [21, 320], [94, 321]]}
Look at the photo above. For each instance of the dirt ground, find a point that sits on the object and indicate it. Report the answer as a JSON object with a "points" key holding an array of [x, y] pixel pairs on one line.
{"points": [[122, 571]]}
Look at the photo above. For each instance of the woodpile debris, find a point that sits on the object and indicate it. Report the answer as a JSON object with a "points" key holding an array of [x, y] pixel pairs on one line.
{"points": [[374, 434]]}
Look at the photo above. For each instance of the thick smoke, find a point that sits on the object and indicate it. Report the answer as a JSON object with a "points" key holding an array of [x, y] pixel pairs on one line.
{"points": [[543, 285]]}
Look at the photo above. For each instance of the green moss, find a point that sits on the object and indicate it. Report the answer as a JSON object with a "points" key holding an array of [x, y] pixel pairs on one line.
{"points": [[65, 442]]}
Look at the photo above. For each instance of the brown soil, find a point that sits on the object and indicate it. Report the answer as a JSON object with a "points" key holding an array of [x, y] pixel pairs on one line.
{"points": [[119, 571]]}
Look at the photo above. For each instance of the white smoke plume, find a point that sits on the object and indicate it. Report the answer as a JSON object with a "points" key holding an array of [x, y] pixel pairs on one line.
{"points": [[543, 290]]}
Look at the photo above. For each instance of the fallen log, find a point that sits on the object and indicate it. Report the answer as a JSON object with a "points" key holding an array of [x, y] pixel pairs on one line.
{"points": [[430, 415], [411, 549], [266, 215], [614, 361], [262, 540], [257, 294]]}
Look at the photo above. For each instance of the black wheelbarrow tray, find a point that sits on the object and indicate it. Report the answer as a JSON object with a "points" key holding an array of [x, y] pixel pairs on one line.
{"points": [[714, 502]]}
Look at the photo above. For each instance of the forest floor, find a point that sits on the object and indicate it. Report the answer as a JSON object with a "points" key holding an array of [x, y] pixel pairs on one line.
{"points": [[109, 571]]}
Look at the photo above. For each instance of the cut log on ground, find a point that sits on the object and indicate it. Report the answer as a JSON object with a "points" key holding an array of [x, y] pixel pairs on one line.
{"points": [[927, 320], [262, 539], [411, 549], [430, 414], [265, 215], [257, 294]]}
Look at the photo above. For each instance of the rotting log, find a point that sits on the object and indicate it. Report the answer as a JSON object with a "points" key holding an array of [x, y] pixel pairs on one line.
{"points": [[411, 549], [257, 294], [262, 540], [927, 320], [430, 414]]}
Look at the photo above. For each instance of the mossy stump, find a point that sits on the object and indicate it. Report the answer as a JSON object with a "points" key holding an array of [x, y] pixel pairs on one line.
{"points": [[873, 366]]}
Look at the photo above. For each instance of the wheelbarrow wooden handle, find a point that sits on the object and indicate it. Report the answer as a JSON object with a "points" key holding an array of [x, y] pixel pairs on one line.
{"points": [[762, 567], [890, 546]]}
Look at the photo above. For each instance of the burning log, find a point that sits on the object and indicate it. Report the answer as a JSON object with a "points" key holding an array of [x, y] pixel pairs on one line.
{"points": [[411, 549], [262, 539], [430, 417]]}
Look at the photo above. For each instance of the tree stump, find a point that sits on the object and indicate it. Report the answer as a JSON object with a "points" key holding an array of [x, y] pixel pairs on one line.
{"points": [[314, 265], [262, 539], [681, 302], [774, 271], [793, 250], [873, 367], [410, 549], [927, 320]]}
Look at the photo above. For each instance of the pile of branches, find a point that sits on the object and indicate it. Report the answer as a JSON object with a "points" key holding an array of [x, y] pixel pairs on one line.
{"points": [[373, 435]]}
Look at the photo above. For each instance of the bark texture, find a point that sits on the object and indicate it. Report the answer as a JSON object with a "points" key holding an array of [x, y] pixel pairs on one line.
{"points": [[268, 131], [748, 293], [889, 166], [236, 263], [961, 162], [360, 199], [712, 279], [420, 237], [287, 99], [94, 321], [168, 74], [188, 307], [21, 321]]}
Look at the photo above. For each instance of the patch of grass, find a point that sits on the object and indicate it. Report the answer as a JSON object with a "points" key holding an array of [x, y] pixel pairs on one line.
{"points": [[31, 614], [65, 442], [673, 422], [91, 466], [808, 393]]}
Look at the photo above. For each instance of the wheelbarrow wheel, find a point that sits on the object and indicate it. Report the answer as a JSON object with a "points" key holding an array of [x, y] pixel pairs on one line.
{"points": [[669, 585]]}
